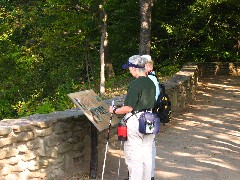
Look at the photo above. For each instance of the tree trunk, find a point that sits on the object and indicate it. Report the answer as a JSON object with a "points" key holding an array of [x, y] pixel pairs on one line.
{"points": [[104, 42], [145, 29]]}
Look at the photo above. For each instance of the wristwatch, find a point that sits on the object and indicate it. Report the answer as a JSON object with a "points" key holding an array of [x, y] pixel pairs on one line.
{"points": [[114, 109]]}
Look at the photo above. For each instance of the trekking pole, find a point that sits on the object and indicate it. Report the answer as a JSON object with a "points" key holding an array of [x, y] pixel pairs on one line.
{"points": [[122, 136], [119, 161], [109, 127]]}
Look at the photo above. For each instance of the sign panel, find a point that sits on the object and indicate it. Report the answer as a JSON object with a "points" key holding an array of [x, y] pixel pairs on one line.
{"points": [[94, 108]]}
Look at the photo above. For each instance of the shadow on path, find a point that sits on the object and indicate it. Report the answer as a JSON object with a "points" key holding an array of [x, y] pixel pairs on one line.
{"points": [[202, 142]]}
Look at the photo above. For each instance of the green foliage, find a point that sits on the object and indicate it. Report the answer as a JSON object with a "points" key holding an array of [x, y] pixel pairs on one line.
{"points": [[167, 70], [45, 107], [6, 110], [196, 30], [51, 48], [118, 85], [123, 28], [44, 46]]}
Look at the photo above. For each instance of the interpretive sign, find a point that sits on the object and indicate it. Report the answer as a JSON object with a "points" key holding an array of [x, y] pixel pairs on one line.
{"points": [[94, 108]]}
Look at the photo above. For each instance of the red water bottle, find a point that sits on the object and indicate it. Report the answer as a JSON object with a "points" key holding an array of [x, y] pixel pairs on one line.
{"points": [[122, 131]]}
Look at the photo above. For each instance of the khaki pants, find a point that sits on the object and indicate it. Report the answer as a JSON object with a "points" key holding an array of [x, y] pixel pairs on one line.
{"points": [[153, 158], [138, 150]]}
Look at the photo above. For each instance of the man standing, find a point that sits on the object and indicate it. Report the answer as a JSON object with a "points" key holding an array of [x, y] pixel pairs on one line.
{"points": [[152, 76]]}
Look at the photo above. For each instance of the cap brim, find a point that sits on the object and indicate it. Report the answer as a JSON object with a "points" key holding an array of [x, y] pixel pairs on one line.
{"points": [[125, 66]]}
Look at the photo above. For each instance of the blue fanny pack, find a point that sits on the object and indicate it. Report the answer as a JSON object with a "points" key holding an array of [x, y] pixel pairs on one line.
{"points": [[149, 123]]}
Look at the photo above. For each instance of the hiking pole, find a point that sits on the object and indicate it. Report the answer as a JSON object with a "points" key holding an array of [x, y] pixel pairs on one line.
{"points": [[109, 127], [122, 136], [119, 161]]}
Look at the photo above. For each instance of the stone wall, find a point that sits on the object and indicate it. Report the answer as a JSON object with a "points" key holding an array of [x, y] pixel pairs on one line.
{"points": [[219, 68], [43, 146], [181, 88], [46, 146]]}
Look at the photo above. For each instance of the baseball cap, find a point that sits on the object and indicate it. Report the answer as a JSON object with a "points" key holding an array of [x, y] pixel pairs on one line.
{"points": [[128, 64]]}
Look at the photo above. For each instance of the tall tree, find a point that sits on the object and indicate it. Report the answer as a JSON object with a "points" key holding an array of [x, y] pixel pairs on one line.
{"points": [[104, 41], [145, 29]]}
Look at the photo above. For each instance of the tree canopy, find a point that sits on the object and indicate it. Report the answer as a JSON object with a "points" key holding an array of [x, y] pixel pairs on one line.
{"points": [[51, 48]]}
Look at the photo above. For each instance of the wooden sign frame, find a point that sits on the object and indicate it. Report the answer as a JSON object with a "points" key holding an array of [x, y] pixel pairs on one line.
{"points": [[94, 108]]}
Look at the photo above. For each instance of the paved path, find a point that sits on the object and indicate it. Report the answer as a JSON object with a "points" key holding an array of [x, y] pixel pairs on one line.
{"points": [[201, 143]]}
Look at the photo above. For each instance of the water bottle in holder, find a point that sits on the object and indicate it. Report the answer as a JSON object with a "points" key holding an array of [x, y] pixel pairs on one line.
{"points": [[122, 130]]}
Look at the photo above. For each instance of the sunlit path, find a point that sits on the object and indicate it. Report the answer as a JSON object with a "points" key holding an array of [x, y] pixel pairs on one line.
{"points": [[204, 141]]}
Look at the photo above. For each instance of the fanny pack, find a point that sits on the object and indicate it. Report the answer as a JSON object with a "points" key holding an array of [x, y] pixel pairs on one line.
{"points": [[149, 122]]}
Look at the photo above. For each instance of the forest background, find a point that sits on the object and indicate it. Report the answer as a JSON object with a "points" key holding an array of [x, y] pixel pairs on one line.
{"points": [[49, 48]]}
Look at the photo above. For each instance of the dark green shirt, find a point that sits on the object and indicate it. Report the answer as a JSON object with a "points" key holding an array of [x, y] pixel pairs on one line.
{"points": [[141, 94]]}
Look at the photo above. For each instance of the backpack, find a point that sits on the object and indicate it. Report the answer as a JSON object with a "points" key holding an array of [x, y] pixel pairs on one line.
{"points": [[162, 106]]}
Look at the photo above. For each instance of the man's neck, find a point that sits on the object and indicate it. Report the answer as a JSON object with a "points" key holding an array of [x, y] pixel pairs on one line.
{"points": [[141, 74]]}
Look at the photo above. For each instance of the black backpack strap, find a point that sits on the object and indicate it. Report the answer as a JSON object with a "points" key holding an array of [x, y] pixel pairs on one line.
{"points": [[135, 112], [152, 74]]}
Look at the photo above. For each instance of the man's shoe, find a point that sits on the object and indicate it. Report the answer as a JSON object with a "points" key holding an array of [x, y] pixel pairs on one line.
{"points": [[152, 178]]}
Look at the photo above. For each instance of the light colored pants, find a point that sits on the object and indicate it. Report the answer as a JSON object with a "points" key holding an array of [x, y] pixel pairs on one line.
{"points": [[153, 158], [138, 150]]}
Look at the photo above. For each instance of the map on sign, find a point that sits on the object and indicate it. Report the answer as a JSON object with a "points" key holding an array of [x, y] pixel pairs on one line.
{"points": [[94, 108]]}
